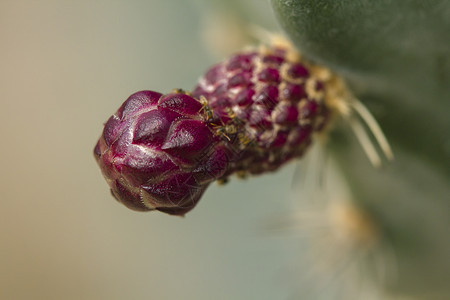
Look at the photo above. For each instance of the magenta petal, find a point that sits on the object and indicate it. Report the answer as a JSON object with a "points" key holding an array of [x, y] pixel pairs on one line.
{"points": [[120, 146], [143, 165], [130, 199], [181, 103], [112, 130], [177, 193], [137, 102], [187, 139], [152, 127]]}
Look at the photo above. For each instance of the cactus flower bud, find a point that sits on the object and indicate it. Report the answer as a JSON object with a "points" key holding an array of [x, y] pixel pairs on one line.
{"points": [[157, 152], [249, 114]]}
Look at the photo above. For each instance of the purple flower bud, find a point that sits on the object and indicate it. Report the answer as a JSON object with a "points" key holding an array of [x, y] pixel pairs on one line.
{"points": [[249, 114], [158, 153]]}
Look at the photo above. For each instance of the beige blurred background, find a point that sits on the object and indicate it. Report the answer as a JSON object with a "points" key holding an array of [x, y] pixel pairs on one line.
{"points": [[65, 67]]}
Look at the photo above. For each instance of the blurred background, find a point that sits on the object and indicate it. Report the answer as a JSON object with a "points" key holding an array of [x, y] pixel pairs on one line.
{"points": [[66, 66]]}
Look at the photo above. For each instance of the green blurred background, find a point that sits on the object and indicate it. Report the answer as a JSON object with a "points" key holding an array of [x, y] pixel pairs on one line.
{"points": [[65, 67]]}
